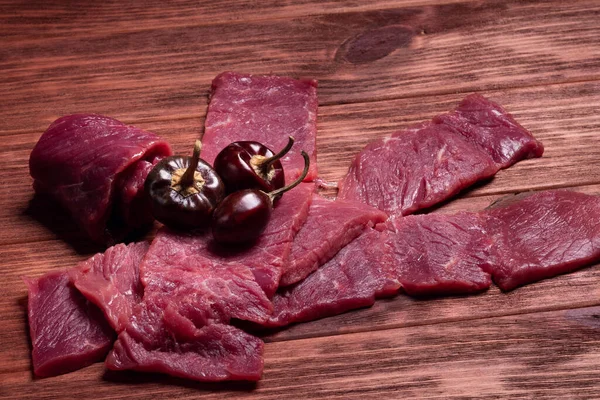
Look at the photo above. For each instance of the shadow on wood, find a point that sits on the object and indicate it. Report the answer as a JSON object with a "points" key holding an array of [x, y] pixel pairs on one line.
{"points": [[142, 378], [50, 214]]}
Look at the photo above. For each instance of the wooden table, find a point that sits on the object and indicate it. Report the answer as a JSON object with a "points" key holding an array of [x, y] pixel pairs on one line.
{"points": [[381, 65]]}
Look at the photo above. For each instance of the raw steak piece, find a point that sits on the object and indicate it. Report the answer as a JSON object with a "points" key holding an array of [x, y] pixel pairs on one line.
{"points": [[359, 273], [132, 207], [162, 339], [181, 326], [330, 226], [415, 169], [429, 163], [440, 254], [111, 280], [266, 109], [543, 235], [89, 164], [67, 332], [174, 268], [492, 128]]}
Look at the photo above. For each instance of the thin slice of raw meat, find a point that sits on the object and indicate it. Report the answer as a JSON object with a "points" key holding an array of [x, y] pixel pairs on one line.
{"points": [[359, 273], [161, 339], [415, 169], [543, 235], [67, 332], [440, 254], [266, 109], [492, 128], [422, 166], [79, 161], [177, 267], [111, 280], [330, 226]]}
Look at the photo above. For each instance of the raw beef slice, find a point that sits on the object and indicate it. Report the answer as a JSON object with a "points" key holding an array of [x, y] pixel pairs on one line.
{"points": [[266, 109], [415, 170], [330, 226], [111, 280], [67, 332], [439, 254], [492, 128], [174, 268], [161, 339], [360, 272], [543, 235], [91, 165], [422, 166], [181, 326]]}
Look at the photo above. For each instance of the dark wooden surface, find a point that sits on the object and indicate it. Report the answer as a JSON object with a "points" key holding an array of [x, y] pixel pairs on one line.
{"points": [[381, 65]]}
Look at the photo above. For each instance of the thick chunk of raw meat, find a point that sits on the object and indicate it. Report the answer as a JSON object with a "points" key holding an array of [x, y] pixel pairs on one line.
{"points": [[132, 208], [67, 332], [439, 254], [162, 338], [266, 109], [88, 163], [492, 128], [429, 163], [543, 235], [111, 280], [360, 272], [330, 226]]}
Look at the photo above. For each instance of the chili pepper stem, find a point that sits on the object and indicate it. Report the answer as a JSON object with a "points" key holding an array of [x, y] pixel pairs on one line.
{"points": [[276, 193], [265, 163], [187, 179]]}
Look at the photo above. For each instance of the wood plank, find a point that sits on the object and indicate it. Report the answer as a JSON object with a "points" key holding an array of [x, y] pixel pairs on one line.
{"points": [[544, 355], [359, 56], [563, 117], [37, 19]]}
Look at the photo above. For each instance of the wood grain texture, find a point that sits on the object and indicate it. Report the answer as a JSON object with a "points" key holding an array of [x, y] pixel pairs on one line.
{"points": [[382, 66], [42, 19], [356, 56], [544, 355]]}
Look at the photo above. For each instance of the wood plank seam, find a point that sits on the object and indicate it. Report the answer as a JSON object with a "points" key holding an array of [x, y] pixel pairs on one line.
{"points": [[582, 305]]}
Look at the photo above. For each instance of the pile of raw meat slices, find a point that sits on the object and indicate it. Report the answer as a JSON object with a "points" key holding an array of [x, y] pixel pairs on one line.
{"points": [[168, 306]]}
